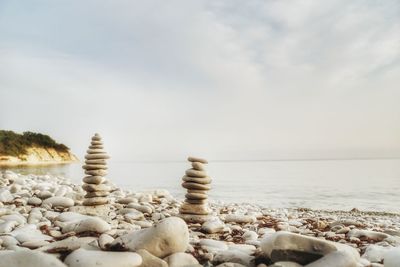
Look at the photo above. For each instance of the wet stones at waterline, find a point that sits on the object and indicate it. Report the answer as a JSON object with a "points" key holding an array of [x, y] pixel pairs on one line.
{"points": [[95, 185], [197, 183]]}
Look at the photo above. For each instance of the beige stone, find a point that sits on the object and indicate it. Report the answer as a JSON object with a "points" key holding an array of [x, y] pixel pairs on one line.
{"points": [[97, 194], [97, 143], [96, 137], [149, 260], [195, 159], [95, 187], [95, 151], [95, 201], [198, 166], [96, 172], [96, 161], [97, 156], [195, 186], [94, 167], [196, 173], [94, 179], [96, 147], [196, 196], [196, 201], [198, 209], [204, 180]]}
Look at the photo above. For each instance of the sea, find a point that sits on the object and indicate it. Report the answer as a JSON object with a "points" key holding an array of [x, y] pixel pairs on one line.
{"points": [[367, 185]]}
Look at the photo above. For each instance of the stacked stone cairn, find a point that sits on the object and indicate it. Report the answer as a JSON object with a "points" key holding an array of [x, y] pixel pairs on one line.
{"points": [[197, 184], [95, 168]]}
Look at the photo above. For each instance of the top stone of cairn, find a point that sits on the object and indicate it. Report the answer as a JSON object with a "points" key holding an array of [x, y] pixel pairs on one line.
{"points": [[195, 159]]}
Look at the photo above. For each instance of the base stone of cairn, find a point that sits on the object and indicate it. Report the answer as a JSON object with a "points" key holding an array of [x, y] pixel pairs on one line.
{"points": [[95, 184], [195, 208]]}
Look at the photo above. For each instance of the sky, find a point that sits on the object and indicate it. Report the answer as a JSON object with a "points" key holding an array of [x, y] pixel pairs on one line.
{"points": [[221, 79]]}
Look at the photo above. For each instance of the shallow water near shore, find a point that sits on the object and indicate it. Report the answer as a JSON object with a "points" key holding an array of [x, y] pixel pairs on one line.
{"points": [[368, 185]]}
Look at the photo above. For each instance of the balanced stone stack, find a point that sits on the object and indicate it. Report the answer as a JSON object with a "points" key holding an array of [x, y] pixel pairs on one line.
{"points": [[197, 184], [95, 167]]}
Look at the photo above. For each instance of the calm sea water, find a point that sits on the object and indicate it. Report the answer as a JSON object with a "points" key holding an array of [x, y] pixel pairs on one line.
{"points": [[372, 185]]}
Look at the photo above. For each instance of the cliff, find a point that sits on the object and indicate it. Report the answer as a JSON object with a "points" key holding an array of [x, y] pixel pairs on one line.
{"points": [[32, 148]]}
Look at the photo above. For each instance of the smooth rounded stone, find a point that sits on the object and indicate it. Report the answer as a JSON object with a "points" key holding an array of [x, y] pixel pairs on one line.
{"points": [[203, 180], [96, 172], [196, 173], [232, 264], [96, 142], [91, 224], [198, 166], [213, 226], [96, 147], [96, 137], [212, 245], [5, 196], [35, 216], [104, 241], [44, 194], [15, 188], [194, 218], [127, 200], [196, 201], [8, 241], [133, 216], [69, 216], [377, 236], [96, 161], [250, 236], [236, 256], [92, 258], [95, 187], [240, 218], [196, 196], [197, 209], [196, 159], [7, 226], [97, 194], [95, 151], [195, 186], [375, 253], [196, 191], [149, 260], [94, 167], [169, 236], [14, 217], [67, 245], [97, 156], [286, 264], [335, 259], [141, 208], [34, 244], [392, 258], [59, 202], [94, 179], [285, 246], [24, 258], [181, 259]]}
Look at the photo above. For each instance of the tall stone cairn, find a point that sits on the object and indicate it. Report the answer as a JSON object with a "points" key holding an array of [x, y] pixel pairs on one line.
{"points": [[95, 167], [197, 184]]}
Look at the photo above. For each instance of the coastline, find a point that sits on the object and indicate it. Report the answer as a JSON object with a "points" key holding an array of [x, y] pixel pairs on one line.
{"points": [[33, 163], [45, 213]]}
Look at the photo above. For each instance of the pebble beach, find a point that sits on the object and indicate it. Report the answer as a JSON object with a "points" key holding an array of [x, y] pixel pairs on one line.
{"points": [[43, 223]]}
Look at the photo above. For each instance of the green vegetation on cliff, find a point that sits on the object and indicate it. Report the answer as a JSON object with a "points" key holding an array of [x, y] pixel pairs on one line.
{"points": [[14, 144]]}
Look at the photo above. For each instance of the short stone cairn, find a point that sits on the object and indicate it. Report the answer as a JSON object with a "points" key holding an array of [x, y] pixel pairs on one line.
{"points": [[95, 168], [197, 184]]}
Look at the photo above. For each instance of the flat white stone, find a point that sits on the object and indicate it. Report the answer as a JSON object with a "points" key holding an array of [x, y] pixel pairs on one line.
{"points": [[59, 202], [92, 258], [91, 224], [25, 258]]}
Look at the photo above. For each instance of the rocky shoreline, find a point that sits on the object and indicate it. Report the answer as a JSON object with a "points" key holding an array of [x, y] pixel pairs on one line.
{"points": [[43, 223]]}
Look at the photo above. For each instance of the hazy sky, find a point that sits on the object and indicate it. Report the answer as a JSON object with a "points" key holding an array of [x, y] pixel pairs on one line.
{"points": [[220, 79]]}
